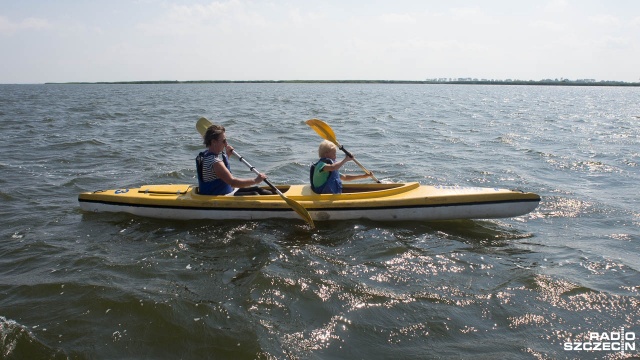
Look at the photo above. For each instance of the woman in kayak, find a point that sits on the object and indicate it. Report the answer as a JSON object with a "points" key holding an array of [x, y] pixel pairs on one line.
{"points": [[214, 172], [324, 175]]}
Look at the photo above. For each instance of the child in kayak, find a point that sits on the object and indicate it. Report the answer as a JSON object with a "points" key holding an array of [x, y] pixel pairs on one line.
{"points": [[324, 175], [214, 172]]}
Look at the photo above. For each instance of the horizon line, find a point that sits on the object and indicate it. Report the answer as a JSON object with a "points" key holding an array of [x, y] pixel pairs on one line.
{"points": [[457, 81]]}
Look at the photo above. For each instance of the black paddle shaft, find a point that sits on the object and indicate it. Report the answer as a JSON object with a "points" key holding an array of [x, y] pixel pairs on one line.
{"points": [[253, 168], [345, 151], [357, 162]]}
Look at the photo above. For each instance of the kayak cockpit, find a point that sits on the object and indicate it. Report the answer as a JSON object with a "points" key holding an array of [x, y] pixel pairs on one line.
{"points": [[298, 192], [353, 191]]}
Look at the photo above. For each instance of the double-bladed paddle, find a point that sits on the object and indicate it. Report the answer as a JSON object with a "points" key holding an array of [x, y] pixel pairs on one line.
{"points": [[203, 124], [326, 132]]}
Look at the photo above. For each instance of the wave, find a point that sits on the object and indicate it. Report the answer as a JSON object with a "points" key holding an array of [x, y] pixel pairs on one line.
{"points": [[17, 342]]}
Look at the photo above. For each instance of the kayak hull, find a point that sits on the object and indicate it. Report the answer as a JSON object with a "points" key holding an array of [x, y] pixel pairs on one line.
{"points": [[380, 202]]}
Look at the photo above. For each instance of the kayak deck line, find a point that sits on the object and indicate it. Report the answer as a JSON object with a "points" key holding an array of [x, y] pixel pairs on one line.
{"points": [[403, 201], [309, 208]]}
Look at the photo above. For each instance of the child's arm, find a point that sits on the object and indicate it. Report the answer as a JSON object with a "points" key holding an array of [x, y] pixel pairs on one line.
{"points": [[336, 166], [354, 177]]}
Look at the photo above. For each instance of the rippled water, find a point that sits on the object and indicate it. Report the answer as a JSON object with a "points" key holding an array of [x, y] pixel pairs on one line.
{"points": [[78, 285]]}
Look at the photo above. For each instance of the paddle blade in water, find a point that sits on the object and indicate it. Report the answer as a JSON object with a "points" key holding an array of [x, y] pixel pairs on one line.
{"points": [[304, 214]]}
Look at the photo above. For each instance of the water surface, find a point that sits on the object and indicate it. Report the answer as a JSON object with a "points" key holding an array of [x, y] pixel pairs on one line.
{"points": [[93, 286]]}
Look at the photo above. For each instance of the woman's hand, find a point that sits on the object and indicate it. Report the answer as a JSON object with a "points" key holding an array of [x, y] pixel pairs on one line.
{"points": [[229, 149], [260, 178]]}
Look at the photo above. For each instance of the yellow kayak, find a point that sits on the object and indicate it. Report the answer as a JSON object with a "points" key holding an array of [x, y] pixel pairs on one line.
{"points": [[384, 202]]}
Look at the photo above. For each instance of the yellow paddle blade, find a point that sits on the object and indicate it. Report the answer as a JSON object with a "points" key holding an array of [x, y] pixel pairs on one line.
{"points": [[202, 125], [304, 214], [324, 130]]}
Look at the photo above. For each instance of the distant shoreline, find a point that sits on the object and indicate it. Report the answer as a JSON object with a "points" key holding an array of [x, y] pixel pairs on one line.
{"points": [[563, 82]]}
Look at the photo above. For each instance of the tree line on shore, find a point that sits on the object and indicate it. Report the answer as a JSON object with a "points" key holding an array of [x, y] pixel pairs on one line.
{"points": [[459, 81]]}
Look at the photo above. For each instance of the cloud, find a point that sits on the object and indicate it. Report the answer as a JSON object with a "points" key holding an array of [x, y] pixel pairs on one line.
{"points": [[300, 18], [217, 16], [8, 27], [213, 11], [606, 20], [551, 26], [557, 6], [613, 42], [467, 13], [398, 19]]}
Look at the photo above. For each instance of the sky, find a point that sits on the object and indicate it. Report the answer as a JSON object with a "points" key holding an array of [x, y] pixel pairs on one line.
{"points": [[147, 40]]}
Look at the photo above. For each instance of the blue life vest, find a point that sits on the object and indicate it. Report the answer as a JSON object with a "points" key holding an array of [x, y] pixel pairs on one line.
{"points": [[331, 184], [215, 186]]}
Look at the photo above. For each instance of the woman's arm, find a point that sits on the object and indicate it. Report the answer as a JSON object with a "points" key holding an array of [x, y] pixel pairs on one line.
{"points": [[225, 175]]}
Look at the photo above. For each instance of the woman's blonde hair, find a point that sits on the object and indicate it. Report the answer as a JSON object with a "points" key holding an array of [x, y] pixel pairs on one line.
{"points": [[325, 148]]}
